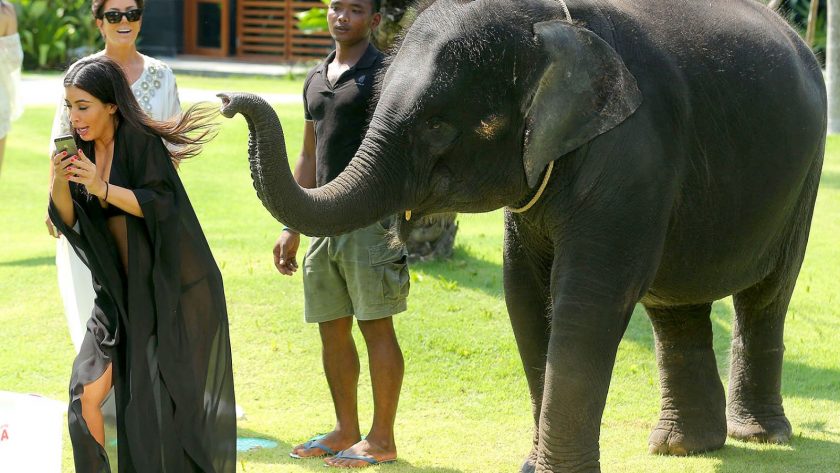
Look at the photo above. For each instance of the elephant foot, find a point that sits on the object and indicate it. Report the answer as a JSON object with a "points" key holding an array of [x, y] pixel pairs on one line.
{"points": [[774, 429], [529, 465], [533, 465], [679, 438]]}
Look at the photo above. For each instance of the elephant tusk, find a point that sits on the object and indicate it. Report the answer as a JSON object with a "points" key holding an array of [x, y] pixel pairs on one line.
{"points": [[407, 215]]}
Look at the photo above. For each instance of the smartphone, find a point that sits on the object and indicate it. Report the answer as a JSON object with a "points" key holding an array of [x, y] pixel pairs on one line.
{"points": [[66, 143]]}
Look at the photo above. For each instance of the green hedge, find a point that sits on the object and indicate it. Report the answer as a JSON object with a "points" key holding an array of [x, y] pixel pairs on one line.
{"points": [[53, 33]]}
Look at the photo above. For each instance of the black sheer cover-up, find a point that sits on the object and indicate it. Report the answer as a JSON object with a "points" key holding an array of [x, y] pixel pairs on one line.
{"points": [[162, 324]]}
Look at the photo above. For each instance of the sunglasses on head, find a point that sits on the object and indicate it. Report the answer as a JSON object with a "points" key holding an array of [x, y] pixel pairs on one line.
{"points": [[114, 16]]}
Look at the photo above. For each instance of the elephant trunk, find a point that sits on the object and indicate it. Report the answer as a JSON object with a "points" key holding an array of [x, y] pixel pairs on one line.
{"points": [[365, 192]]}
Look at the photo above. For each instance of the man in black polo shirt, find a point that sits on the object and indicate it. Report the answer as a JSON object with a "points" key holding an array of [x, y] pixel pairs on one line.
{"points": [[357, 274]]}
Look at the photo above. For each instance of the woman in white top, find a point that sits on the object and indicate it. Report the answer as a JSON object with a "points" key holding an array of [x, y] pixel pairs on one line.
{"points": [[11, 59], [153, 84]]}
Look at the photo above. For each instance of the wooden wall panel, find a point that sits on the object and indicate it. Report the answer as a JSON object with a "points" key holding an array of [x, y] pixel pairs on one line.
{"points": [[266, 31]]}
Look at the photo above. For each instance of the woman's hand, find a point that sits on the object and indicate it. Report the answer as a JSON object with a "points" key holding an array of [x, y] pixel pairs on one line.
{"points": [[61, 167], [51, 228], [83, 171]]}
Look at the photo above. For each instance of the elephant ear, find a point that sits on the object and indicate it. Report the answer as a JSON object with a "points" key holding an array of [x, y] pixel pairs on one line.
{"points": [[585, 90]]}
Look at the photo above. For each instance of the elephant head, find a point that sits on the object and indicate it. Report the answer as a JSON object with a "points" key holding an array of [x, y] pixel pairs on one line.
{"points": [[479, 97]]}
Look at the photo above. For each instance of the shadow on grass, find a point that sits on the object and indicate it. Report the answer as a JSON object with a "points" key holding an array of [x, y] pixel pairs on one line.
{"points": [[803, 454], [466, 271], [799, 379], [830, 180], [37, 261], [802, 380], [280, 456], [807, 382], [640, 331]]}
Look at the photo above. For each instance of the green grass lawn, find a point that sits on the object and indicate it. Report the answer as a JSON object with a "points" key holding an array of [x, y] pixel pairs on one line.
{"points": [[271, 85], [465, 406]]}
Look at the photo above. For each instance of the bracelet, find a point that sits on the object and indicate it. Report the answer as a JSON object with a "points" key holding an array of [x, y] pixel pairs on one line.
{"points": [[107, 188], [291, 230]]}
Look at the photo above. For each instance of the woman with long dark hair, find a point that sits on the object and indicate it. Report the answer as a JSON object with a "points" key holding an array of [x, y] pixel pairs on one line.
{"points": [[153, 84], [159, 330]]}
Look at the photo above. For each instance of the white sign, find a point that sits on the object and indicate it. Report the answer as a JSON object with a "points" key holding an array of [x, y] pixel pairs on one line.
{"points": [[30, 433]]}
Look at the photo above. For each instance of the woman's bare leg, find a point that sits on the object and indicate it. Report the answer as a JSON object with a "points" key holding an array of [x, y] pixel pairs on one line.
{"points": [[92, 399]]}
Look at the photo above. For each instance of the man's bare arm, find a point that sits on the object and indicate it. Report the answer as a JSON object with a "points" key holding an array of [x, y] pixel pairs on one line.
{"points": [[286, 247]]}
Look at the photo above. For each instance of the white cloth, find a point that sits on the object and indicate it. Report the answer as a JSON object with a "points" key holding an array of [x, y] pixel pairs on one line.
{"points": [[11, 60], [157, 94], [74, 284]]}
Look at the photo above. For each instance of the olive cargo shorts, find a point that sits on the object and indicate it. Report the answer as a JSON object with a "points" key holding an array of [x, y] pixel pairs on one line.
{"points": [[358, 273]]}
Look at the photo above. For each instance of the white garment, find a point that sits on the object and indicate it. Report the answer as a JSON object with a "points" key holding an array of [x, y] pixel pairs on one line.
{"points": [[157, 94], [11, 59]]}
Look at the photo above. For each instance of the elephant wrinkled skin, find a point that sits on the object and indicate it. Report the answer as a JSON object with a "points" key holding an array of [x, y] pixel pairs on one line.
{"points": [[687, 141]]}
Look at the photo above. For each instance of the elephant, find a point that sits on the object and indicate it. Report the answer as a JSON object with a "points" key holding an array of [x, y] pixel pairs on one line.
{"points": [[654, 152]]}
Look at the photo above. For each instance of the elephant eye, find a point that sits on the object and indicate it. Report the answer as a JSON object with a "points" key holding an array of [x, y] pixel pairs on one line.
{"points": [[439, 134]]}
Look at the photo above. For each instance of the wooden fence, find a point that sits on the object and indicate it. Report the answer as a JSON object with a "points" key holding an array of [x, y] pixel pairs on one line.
{"points": [[266, 31]]}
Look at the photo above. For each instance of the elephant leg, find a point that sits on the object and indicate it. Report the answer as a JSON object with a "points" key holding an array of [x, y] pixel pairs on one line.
{"points": [[755, 412], [526, 279], [591, 306], [692, 415], [608, 234], [581, 356]]}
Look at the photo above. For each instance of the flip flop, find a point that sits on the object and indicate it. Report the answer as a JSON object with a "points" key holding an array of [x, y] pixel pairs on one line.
{"points": [[315, 442], [342, 455]]}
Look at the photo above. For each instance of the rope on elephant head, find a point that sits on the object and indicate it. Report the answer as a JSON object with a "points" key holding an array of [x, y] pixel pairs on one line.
{"points": [[566, 10], [538, 194]]}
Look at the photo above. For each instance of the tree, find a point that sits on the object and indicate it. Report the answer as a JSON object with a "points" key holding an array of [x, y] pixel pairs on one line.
{"points": [[833, 66], [53, 33], [810, 33]]}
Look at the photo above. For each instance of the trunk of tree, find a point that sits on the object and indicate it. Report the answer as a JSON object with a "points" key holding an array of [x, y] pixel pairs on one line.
{"points": [[392, 24], [433, 238], [833, 66], [812, 23]]}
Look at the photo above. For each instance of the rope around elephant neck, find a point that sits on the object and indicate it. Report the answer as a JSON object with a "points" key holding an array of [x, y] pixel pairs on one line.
{"points": [[551, 164], [566, 10], [538, 194]]}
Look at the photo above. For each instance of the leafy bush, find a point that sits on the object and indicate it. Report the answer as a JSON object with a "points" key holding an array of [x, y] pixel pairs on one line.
{"points": [[54, 33], [313, 20], [393, 13]]}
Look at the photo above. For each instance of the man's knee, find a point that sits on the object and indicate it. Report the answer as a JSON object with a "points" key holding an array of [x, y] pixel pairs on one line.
{"points": [[380, 329], [337, 328]]}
